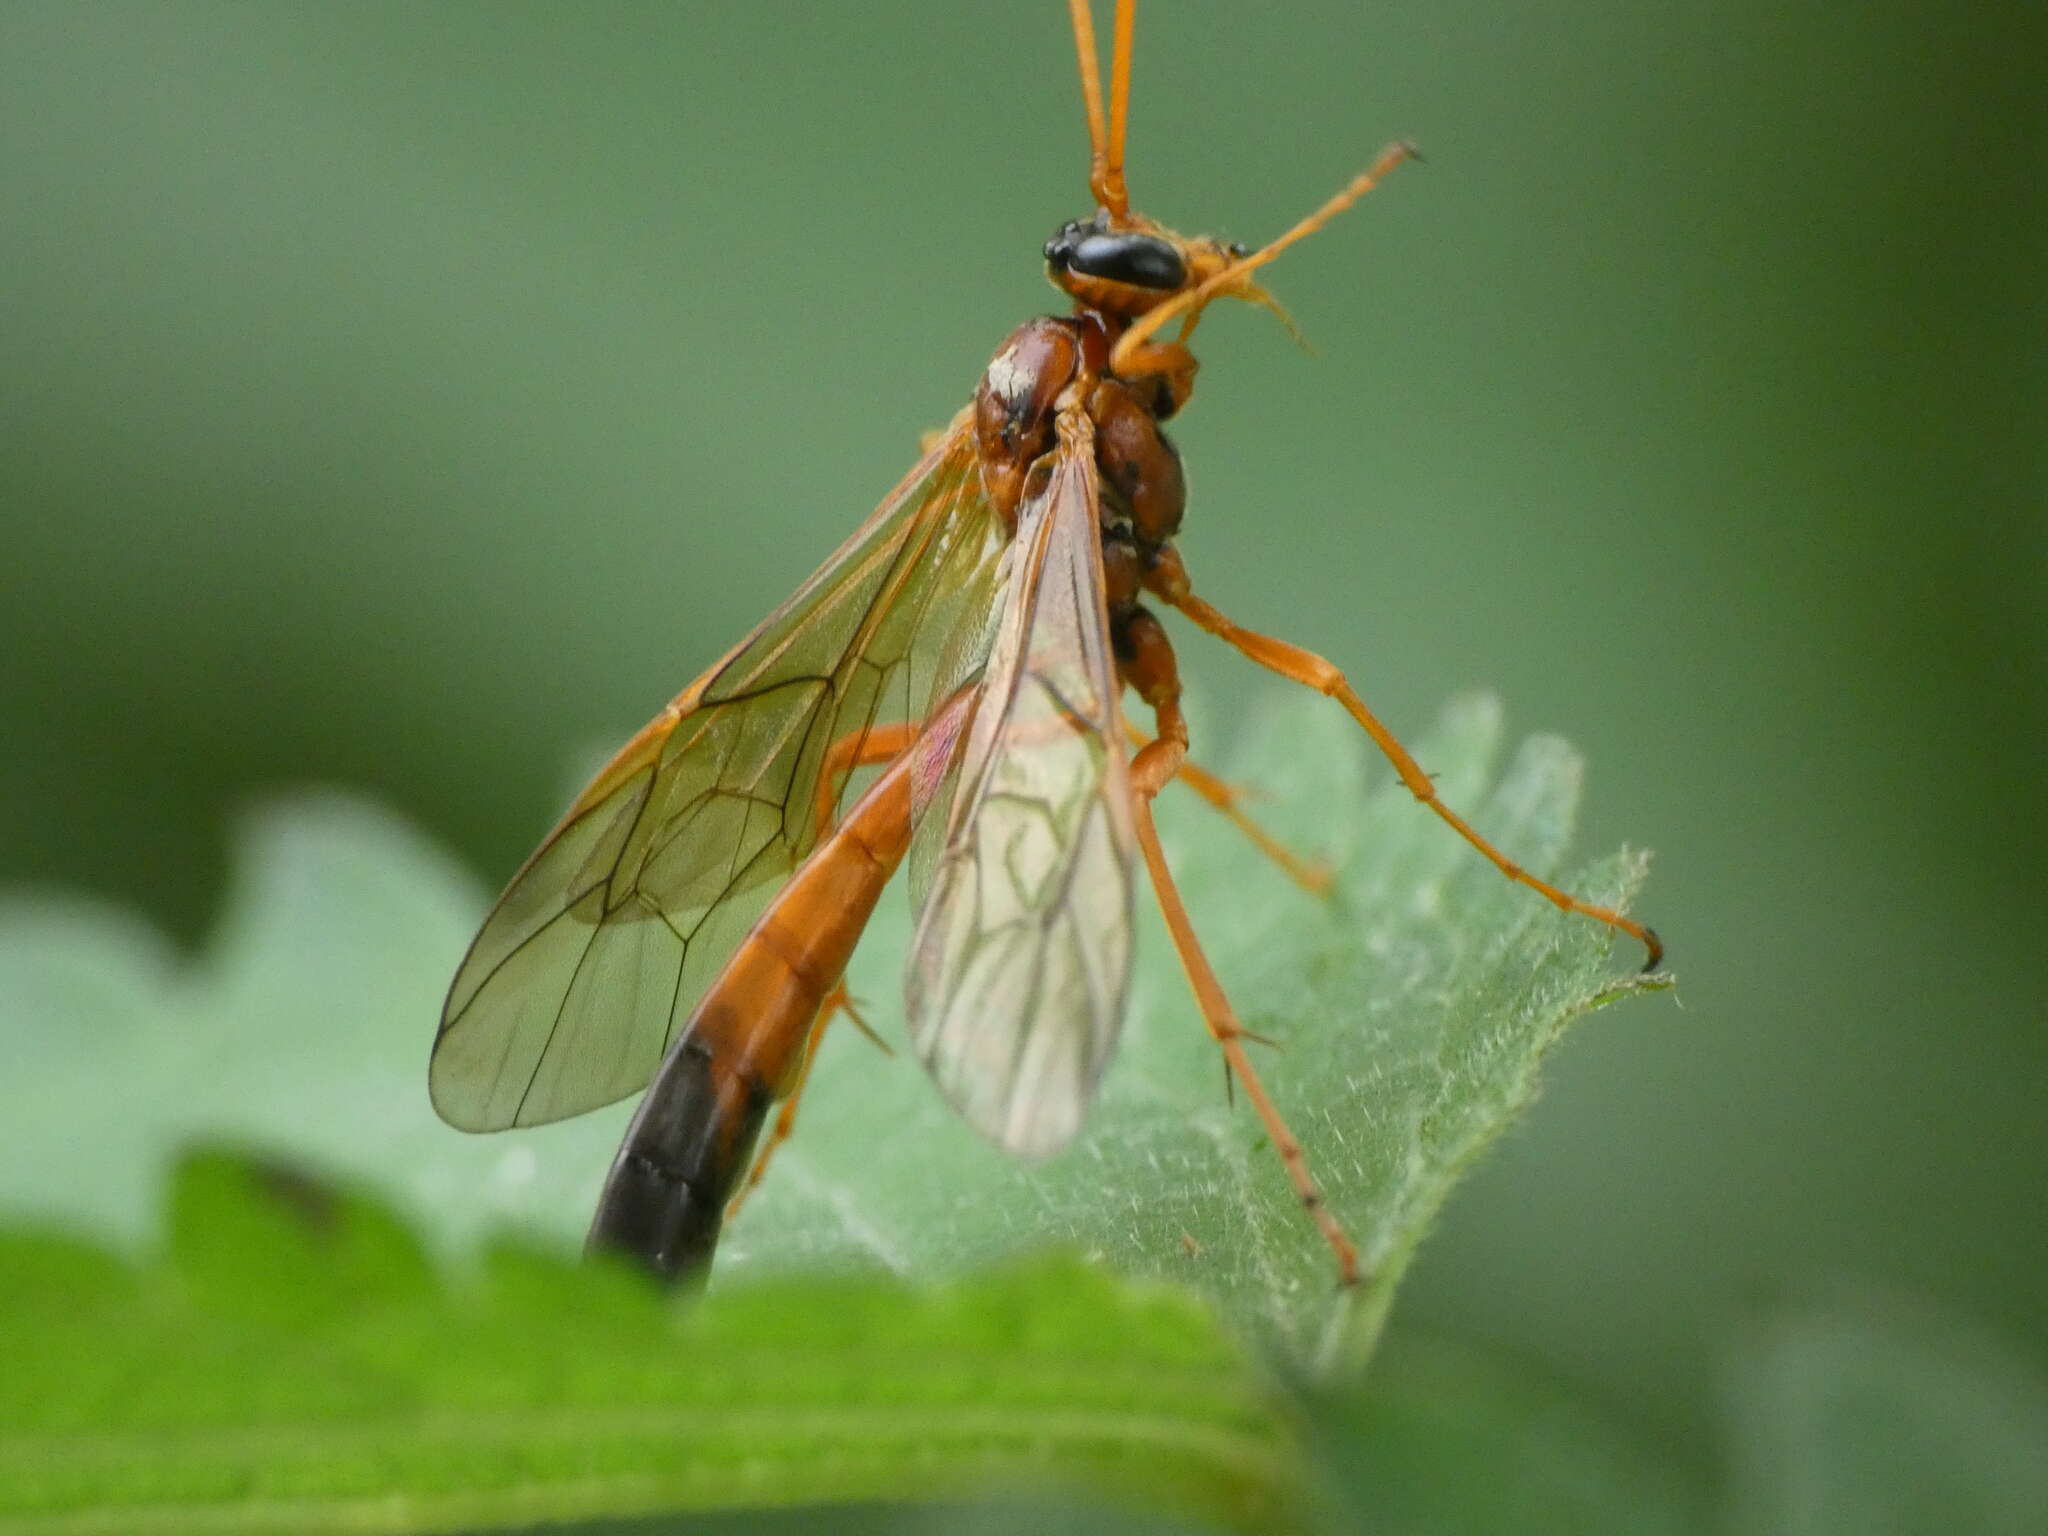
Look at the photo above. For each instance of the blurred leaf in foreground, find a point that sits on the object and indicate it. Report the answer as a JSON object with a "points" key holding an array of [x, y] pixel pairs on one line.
{"points": [[293, 1365], [1411, 1011]]}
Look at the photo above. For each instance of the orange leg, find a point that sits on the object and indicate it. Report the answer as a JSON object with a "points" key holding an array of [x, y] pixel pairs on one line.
{"points": [[1169, 581], [1153, 672], [1312, 875], [1230, 1036]]}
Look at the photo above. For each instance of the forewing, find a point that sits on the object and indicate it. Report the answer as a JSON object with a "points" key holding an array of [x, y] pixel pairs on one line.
{"points": [[601, 945], [1023, 948]]}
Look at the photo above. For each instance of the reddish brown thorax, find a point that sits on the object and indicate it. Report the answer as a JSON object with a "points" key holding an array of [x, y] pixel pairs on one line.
{"points": [[1115, 269]]}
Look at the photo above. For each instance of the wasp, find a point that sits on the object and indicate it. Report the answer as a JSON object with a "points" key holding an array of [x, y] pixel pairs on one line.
{"points": [[947, 690]]}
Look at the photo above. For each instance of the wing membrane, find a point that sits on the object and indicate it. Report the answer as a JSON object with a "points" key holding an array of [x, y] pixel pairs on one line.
{"points": [[1023, 948], [601, 945]]}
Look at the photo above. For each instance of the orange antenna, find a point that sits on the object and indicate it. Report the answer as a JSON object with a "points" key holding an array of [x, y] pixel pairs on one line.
{"points": [[1113, 193], [1091, 98], [1232, 278]]}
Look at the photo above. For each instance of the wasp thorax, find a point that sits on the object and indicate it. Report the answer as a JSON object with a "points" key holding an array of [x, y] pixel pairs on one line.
{"points": [[1015, 406], [1141, 469]]}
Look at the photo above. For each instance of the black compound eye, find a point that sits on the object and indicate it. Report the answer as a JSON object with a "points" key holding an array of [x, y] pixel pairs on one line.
{"points": [[1143, 261]]}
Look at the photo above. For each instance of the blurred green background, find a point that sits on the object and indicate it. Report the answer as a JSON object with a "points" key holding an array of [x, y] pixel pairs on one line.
{"points": [[414, 397]]}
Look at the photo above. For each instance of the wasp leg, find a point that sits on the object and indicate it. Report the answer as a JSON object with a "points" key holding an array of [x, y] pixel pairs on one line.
{"points": [[1226, 798], [1150, 668], [1168, 579], [1230, 1036]]}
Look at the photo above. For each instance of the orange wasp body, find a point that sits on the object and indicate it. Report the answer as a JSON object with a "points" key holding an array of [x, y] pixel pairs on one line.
{"points": [[689, 920]]}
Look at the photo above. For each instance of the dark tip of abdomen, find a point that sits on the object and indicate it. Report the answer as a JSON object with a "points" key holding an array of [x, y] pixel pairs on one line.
{"points": [[684, 1153]]}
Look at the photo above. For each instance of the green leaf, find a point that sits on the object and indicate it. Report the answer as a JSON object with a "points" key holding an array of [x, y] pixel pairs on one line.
{"points": [[1881, 1419], [188, 1395], [1411, 1008]]}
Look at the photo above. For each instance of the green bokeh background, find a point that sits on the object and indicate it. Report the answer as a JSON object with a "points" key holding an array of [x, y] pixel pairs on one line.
{"points": [[413, 397]]}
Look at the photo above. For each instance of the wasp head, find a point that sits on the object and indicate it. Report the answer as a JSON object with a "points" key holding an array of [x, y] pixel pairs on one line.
{"points": [[1126, 265]]}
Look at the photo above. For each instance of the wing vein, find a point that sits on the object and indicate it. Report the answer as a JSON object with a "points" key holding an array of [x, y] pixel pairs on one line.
{"points": [[578, 980]]}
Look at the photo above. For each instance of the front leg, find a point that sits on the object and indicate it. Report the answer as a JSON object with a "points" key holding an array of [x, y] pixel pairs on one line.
{"points": [[1168, 365]]}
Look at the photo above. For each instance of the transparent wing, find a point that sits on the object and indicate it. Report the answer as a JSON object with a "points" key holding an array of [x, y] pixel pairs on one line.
{"points": [[1023, 948], [601, 945]]}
